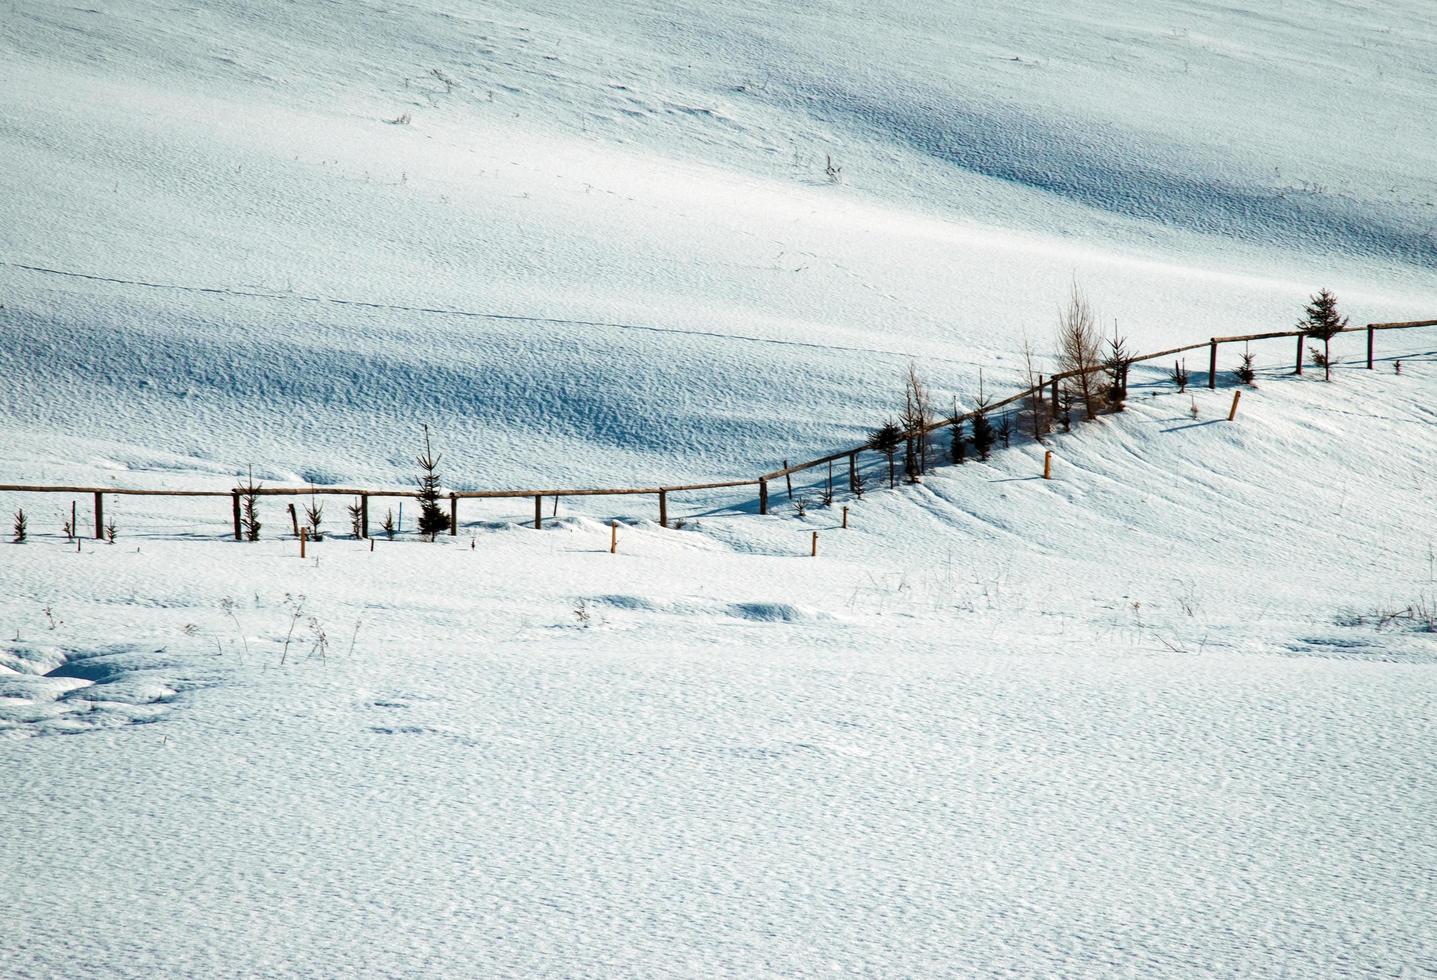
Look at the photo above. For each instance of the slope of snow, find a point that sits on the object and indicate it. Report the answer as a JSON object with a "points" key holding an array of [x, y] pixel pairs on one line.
{"points": [[1139, 719]]}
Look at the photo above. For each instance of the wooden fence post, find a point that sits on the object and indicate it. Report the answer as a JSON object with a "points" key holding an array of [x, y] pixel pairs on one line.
{"points": [[763, 496], [1048, 465], [1055, 398], [815, 545], [294, 518], [613, 537], [1232, 412], [663, 508], [788, 479], [852, 472], [538, 513], [100, 516], [1300, 339], [845, 516], [453, 515], [74, 520], [1212, 367], [303, 536], [364, 514], [234, 507], [1369, 348]]}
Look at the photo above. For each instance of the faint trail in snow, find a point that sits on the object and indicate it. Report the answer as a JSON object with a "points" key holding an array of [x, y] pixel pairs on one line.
{"points": [[474, 314]]}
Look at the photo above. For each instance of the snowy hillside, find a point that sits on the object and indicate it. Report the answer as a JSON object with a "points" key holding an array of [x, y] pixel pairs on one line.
{"points": [[1166, 714], [656, 174]]}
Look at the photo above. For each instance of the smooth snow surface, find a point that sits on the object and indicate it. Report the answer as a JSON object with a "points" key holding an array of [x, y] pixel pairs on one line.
{"points": [[1167, 714]]}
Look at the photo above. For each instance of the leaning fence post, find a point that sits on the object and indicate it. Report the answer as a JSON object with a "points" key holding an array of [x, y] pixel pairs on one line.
{"points": [[538, 513], [234, 507], [1369, 347], [663, 508], [1212, 366], [1300, 339], [294, 518], [1048, 464], [99, 515], [762, 496], [1232, 412], [788, 479], [453, 515]]}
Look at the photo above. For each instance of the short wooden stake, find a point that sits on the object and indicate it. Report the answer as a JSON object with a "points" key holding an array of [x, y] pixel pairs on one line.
{"points": [[99, 516], [294, 519], [1212, 366], [663, 508], [1048, 464], [815, 545], [1232, 412], [234, 508], [364, 517], [371, 545], [1300, 339], [613, 537], [1369, 348], [453, 515], [538, 513], [74, 516], [303, 537], [763, 496], [845, 517]]}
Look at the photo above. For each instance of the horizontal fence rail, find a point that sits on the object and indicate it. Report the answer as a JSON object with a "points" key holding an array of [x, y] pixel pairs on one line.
{"points": [[1036, 394]]}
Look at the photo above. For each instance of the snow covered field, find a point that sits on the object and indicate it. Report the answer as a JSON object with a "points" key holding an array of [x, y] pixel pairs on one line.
{"points": [[1143, 719]]}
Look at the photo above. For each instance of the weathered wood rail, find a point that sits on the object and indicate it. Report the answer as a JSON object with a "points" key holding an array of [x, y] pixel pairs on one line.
{"points": [[1047, 387]]}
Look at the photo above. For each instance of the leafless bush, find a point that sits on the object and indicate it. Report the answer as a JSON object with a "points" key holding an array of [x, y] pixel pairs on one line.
{"points": [[917, 415], [1080, 349], [1180, 375], [1033, 379], [403, 119]]}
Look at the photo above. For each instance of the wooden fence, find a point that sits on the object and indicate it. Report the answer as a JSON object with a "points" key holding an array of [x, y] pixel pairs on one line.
{"points": [[1047, 387]]}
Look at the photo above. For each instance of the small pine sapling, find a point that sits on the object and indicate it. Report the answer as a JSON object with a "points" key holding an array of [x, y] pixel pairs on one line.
{"points": [[960, 444], [356, 519], [249, 508], [111, 531], [886, 440], [432, 519], [20, 526], [1116, 365], [313, 516], [1180, 375], [984, 435], [388, 524], [1321, 321], [1005, 430], [1245, 371]]}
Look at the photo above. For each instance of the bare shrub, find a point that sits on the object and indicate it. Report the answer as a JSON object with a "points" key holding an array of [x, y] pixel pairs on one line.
{"points": [[1080, 349]]}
